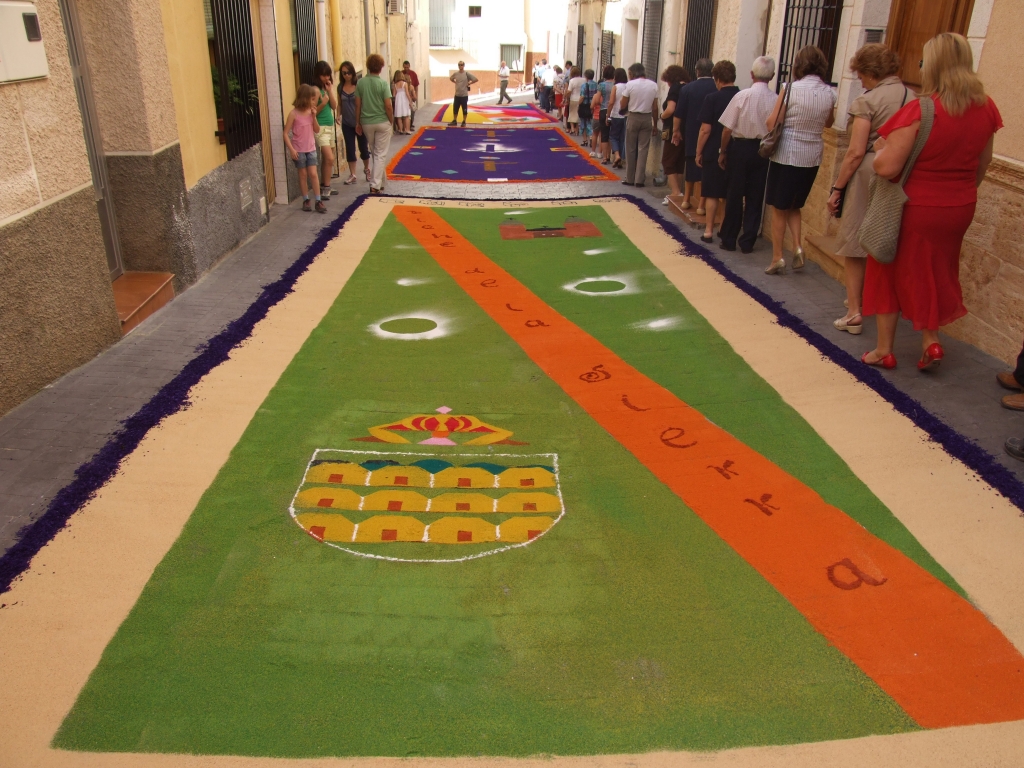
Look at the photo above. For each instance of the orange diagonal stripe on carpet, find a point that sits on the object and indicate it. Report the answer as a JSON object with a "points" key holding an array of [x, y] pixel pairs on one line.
{"points": [[927, 647]]}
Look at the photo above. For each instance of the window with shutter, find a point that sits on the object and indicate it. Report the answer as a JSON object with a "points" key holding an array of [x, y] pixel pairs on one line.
{"points": [[607, 48], [650, 50], [579, 46], [700, 24]]}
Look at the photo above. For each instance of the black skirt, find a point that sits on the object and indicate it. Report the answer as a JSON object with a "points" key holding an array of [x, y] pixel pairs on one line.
{"points": [[714, 181], [693, 173], [789, 185]]}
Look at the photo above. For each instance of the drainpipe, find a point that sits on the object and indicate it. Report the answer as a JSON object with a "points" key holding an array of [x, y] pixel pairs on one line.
{"points": [[321, 28], [366, 25], [336, 33]]}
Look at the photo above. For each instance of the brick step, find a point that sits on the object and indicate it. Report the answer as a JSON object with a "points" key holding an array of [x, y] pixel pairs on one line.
{"points": [[137, 295], [821, 250]]}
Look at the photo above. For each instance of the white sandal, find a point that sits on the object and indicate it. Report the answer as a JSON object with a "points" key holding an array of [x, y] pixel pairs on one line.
{"points": [[843, 324]]}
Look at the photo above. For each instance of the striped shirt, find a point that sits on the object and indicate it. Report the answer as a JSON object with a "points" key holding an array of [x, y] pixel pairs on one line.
{"points": [[748, 112], [810, 106]]}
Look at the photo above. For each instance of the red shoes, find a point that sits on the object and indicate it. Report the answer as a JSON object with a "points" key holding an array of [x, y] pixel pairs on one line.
{"points": [[931, 357], [889, 361]]}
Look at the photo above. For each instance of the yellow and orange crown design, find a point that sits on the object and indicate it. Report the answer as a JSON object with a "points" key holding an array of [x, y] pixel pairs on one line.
{"points": [[442, 429]]}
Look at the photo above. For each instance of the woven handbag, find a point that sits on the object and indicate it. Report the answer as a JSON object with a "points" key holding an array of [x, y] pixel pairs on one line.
{"points": [[771, 140], [879, 233]]}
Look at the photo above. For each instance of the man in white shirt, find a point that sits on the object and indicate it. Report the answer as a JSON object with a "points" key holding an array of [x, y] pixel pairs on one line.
{"points": [[548, 81], [503, 73], [640, 100], [744, 125]]}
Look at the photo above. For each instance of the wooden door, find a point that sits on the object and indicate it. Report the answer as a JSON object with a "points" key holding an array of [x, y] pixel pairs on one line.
{"points": [[913, 22]]}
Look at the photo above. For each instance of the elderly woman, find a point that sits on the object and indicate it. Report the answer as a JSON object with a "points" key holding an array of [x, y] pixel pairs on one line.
{"points": [[714, 183], [923, 281], [884, 94], [686, 125], [673, 157], [794, 165]]}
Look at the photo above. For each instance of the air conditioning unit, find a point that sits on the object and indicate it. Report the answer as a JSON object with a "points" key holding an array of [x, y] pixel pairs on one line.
{"points": [[396, 7], [22, 56]]}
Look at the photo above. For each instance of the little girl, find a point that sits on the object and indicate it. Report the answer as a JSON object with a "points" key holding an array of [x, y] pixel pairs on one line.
{"points": [[300, 131], [402, 103]]}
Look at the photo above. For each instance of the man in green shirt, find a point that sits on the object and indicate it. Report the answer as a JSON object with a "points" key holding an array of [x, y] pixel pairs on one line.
{"points": [[374, 115], [462, 80]]}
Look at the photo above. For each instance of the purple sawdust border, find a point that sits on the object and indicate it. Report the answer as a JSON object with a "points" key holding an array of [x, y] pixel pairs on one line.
{"points": [[173, 396]]}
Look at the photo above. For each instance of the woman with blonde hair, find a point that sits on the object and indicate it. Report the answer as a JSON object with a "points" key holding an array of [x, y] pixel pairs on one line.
{"points": [[401, 92], [923, 281], [884, 95]]}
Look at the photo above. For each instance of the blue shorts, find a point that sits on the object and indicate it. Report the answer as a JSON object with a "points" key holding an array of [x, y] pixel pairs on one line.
{"points": [[306, 160]]}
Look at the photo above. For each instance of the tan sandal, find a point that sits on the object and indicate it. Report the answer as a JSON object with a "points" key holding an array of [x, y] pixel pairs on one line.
{"points": [[844, 324]]}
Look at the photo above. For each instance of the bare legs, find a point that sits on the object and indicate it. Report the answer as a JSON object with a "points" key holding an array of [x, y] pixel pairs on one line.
{"points": [[673, 183], [327, 163], [711, 206], [886, 337], [780, 220]]}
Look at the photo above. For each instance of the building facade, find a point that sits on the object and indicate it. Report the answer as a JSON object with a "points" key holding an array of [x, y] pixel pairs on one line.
{"points": [[140, 142]]}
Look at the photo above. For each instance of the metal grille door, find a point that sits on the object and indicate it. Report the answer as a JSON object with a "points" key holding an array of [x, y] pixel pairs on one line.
{"points": [[700, 25], [650, 51], [579, 46], [236, 68], [305, 32], [809, 22], [607, 48]]}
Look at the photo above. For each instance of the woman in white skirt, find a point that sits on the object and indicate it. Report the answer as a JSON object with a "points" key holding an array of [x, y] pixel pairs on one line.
{"points": [[403, 100]]}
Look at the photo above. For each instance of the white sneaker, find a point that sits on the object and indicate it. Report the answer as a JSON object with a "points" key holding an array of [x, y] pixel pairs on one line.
{"points": [[665, 201], [594, 154]]}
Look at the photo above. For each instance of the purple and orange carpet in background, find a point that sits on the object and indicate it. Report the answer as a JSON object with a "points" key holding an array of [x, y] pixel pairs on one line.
{"points": [[438, 153], [495, 115]]}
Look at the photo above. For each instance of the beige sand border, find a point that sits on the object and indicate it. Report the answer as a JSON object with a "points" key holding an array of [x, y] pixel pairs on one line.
{"points": [[63, 612]]}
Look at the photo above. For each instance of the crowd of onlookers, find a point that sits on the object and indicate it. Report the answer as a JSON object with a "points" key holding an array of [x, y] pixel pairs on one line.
{"points": [[757, 147], [747, 149]]}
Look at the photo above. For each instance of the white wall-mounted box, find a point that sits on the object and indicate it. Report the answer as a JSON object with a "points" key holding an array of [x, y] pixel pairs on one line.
{"points": [[22, 56]]}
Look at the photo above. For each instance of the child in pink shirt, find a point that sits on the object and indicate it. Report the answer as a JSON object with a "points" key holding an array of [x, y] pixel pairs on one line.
{"points": [[300, 130]]}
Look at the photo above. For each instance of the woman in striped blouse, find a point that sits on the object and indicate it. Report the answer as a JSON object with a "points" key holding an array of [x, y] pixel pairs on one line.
{"points": [[795, 163]]}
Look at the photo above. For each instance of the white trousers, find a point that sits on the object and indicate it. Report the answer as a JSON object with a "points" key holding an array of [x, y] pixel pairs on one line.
{"points": [[378, 139]]}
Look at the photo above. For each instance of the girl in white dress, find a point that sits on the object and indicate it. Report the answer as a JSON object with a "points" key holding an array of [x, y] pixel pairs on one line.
{"points": [[403, 100]]}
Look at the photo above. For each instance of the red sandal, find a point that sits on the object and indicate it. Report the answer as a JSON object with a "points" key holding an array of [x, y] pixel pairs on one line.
{"points": [[888, 362], [931, 357]]}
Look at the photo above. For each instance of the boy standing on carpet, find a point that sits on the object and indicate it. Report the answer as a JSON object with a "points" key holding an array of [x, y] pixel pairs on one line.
{"points": [[300, 132], [463, 80]]}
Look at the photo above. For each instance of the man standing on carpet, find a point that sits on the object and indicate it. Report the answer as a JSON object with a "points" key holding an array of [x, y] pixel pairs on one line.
{"points": [[463, 80], [375, 114], [640, 101], [414, 80]]}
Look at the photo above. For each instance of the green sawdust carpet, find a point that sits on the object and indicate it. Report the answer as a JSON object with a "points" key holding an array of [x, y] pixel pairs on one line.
{"points": [[628, 626]]}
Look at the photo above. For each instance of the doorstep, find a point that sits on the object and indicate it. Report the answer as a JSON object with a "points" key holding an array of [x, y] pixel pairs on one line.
{"points": [[137, 295]]}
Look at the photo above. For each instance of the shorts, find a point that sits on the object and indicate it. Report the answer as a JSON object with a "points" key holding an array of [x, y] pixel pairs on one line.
{"points": [[306, 160], [604, 126], [326, 136]]}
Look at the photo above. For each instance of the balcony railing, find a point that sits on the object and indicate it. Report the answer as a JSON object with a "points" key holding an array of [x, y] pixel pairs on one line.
{"points": [[445, 37]]}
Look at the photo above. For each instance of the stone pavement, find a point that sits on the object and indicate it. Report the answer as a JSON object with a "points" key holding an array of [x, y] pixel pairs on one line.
{"points": [[45, 439]]}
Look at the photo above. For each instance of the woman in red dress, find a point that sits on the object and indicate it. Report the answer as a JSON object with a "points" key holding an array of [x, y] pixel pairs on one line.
{"points": [[923, 282]]}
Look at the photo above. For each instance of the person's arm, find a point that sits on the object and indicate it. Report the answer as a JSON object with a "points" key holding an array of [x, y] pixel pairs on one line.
{"points": [[670, 109], [702, 139], [773, 118], [654, 112], [984, 160], [452, 78], [389, 110], [472, 78], [359, 114], [851, 161], [726, 136], [892, 153], [288, 135], [624, 102], [677, 122]]}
